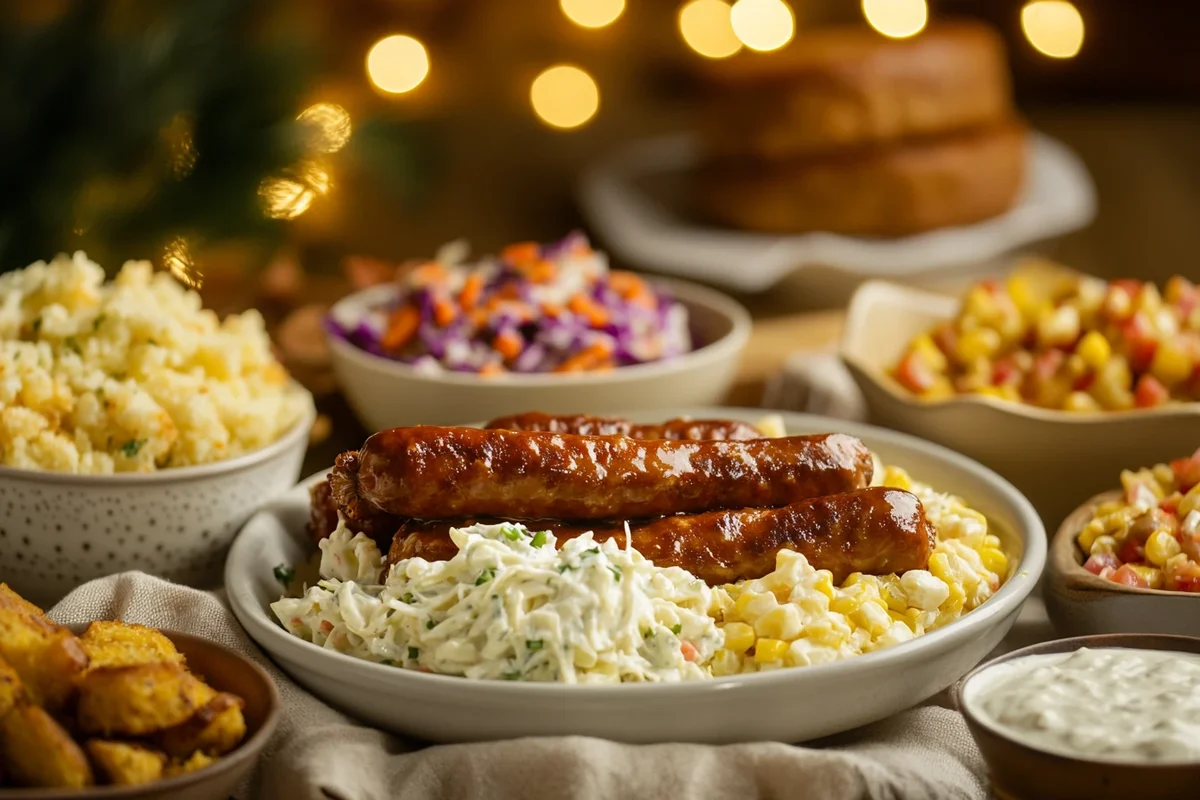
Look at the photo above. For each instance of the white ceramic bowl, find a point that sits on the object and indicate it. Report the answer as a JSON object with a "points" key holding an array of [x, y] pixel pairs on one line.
{"points": [[786, 705], [388, 394], [1057, 458], [58, 531]]}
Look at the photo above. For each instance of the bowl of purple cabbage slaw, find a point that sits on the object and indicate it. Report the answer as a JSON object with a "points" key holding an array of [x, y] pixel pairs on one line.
{"points": [[541, 327]]}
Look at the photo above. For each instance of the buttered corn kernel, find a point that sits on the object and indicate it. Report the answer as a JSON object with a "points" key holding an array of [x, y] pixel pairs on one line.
{"points": [[752, 605], [1161, 546], [769, 650], [994, 560], [783, 622], [739, 637]]}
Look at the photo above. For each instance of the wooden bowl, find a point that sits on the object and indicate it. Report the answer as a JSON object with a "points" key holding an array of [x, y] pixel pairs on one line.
{"points": [[1082, 604], [223, 670], [1021, 772]]}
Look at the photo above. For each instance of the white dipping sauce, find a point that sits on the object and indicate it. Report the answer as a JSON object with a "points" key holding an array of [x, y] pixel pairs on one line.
{"points": [[1105, 704]]}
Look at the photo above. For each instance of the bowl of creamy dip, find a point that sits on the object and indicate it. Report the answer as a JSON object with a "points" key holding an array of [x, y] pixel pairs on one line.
{"points": [[1090, 718]]}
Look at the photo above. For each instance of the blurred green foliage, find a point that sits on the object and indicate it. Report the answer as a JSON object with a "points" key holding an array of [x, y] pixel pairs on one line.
{"points": [[124, 123]]}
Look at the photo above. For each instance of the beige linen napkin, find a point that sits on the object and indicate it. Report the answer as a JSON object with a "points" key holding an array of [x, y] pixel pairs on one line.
{"points": [[320, 754], [817, 382]]}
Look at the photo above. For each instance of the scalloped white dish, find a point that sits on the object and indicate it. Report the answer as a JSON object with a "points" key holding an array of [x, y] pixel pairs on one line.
{"points": [[646, 230], [1057, 459], [786, 705]]}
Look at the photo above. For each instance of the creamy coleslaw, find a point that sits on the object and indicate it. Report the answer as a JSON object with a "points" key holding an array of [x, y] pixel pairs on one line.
{"points": [[511, 605]]}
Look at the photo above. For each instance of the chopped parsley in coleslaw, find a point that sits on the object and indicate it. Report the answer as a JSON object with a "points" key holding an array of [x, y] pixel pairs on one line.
{"points": [[533, 309], [511, 605]]}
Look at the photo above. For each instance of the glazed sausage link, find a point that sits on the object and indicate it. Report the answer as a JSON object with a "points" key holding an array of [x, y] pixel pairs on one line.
{"points": [[673, 429], [438, 473], [875, 531]]}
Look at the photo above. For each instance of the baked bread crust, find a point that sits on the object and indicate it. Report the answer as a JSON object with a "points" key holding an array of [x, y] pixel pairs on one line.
{"points": [[847, 87], [897, 190]]}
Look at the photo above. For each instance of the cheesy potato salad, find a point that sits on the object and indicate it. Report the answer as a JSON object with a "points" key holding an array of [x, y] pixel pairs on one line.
{"points": [[131, 375], [513, 604]]}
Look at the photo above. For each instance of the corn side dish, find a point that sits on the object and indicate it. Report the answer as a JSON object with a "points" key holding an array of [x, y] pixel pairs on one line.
{"points": [[512, 605], [131, 375], [1076, 344], [1149, 538]]}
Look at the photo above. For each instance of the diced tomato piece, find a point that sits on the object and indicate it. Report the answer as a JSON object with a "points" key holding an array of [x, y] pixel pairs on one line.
{"points": [[1184, 579], [1107, 573], [1171, 505], [1084, 382], [1130, 285], [1047, 363], [1131, 552], [1127, 577], [991, 286], [1096, 562], [1149, 392], [915, 374], [1187, 472], [1188, 584], [1139, 337], [1005, 372], [689, 651]]}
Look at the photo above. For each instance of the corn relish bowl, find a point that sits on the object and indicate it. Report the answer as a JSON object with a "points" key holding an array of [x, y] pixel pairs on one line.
{"points": [[538, 326], [746, 653], [1070, 402]]}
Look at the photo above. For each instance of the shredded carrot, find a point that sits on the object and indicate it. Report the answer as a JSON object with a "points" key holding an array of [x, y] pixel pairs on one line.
{"points": [[626, 284], [586, 359], [551, 309], [541, 271], [491, 368], [589, 310], [402, 327], [429, 272], [444, 312], [472, 290], [508, 343], [520, 253]]}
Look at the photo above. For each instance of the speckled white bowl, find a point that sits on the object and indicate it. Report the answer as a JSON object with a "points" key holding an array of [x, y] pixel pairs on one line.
{"points": [[58, 531]]}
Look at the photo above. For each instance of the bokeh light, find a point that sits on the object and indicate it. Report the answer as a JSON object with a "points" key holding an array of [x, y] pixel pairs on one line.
{"points": [[1053, 27], [897, 19], [178, 260], [763, 25], [564, 96], [288, 198], [331, 126], [397, 64], [706, 28], [592, 13]]}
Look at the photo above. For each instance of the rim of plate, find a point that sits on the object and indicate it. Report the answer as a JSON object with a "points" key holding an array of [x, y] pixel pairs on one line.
{"points": [[1007, 600], [288, 440], [683, 291]]}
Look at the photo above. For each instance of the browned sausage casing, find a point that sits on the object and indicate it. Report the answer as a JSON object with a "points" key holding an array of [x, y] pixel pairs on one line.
{"points": [[673, 429], [439, 473], [875, 531]]}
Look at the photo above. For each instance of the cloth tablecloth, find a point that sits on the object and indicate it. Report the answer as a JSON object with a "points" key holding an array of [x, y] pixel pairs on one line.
{"points": [[925, 753]]}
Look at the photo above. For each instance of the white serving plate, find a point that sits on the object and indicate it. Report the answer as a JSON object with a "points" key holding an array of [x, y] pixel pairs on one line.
{"points": [[643, 227], [787, 705]]}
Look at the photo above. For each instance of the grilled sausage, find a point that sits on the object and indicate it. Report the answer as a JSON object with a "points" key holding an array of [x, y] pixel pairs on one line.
{"points": [[438, 473], [323, 518], [876, 531], [673, 429]]}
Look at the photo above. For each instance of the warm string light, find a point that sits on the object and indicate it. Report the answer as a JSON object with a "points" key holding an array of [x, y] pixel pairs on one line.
{"points": [[564, 96], [288, 198], [763, 25], [331, 125], [1053, 27], [397, 64], [706, 28], [178, 260], [592, 13], [180, 145], [897, 19]]}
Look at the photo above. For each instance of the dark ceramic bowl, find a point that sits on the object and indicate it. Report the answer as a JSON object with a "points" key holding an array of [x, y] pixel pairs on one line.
{"points": [[226, 671], [1021, 772]]}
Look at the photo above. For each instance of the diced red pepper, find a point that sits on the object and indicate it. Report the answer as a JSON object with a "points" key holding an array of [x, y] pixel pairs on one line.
{"points": [[1006, 372], [689, 651], [992, 287], [1187, 472], [946, 339], [1171, 505], [1131, 552], [1096, 562], [1084, 382], [1184, 579], [1130, 285], [915, 374], [1139, 335], [1150, 392], [1128, 577]]}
